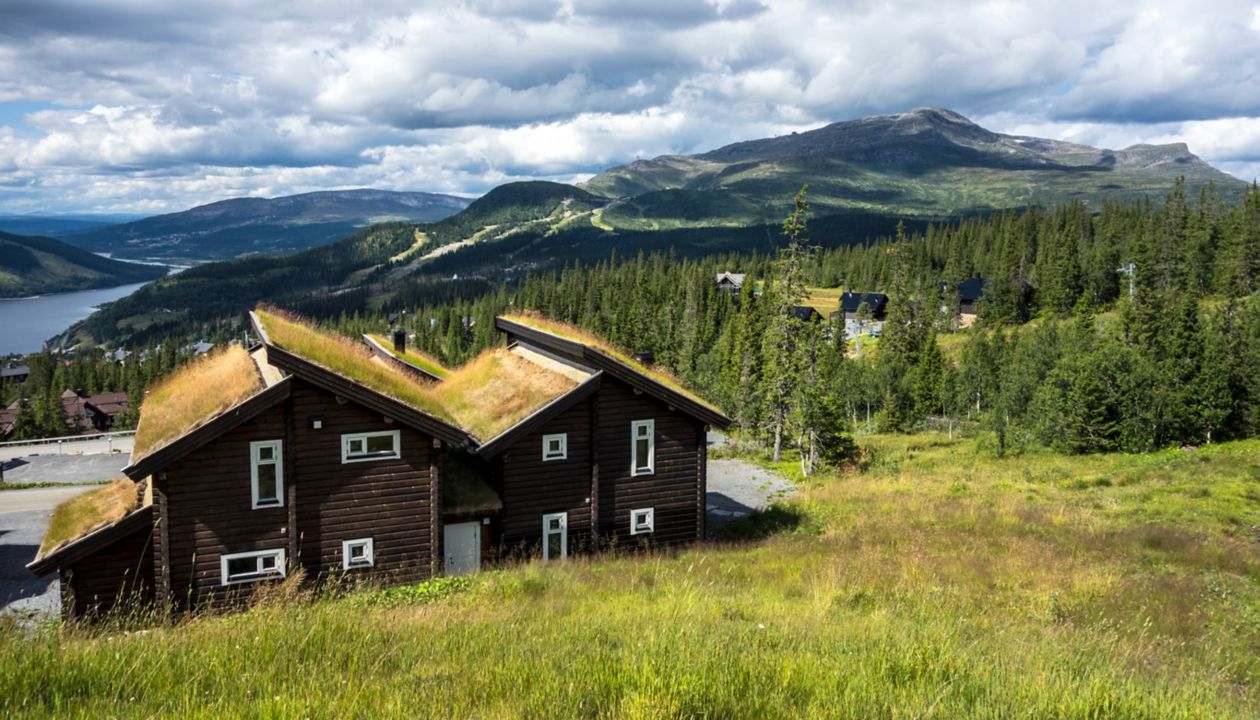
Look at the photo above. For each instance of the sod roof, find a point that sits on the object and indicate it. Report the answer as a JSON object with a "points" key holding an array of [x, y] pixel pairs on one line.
{"points": [[90, 511], [194, 395], [491, 393], [565, 331], [427, 363]]}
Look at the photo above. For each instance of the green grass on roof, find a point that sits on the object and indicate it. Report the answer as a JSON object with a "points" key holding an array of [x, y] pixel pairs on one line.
{"points": [[491, 393], [196, 393], [496, 390], [84, 513], [425, 362], [569, 332], [350, 359]]}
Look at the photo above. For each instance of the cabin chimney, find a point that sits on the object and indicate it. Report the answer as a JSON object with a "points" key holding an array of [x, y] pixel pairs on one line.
{"points": [[644, 357], [400, 341]]}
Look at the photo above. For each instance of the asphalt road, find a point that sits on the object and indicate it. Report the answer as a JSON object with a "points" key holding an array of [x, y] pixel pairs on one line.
{"points": [[64, 468], [78, 447], [23, 518]]}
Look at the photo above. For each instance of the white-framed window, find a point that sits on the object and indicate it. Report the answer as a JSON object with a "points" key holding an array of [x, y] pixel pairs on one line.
{"points": [[266, 473], [642, 447], [555, 447], [362, 447], [251, 566], [555, 536], [357, 554], [642, 521]]}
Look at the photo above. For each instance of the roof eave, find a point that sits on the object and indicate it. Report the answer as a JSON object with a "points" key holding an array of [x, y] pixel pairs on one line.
{"points": [[540, 417], [99, 538], [209, 430], [592, 357]]}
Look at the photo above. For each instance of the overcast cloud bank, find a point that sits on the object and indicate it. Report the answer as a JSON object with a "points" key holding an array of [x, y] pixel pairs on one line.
{"points": [[135, 106]]}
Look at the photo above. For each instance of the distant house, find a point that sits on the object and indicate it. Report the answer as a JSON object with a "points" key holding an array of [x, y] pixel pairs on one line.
{"points": [[805, 313], [90, 415], [854, 323], [730, 282], [340, 463], [201, 348], [970, 292], [14, 373]]}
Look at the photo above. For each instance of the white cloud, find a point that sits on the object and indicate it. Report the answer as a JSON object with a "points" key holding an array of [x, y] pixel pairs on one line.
{"points": [[163, 106]]}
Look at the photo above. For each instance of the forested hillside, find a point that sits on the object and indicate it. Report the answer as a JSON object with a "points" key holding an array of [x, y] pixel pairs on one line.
{"points": [[38, 265], [1064, 355]]}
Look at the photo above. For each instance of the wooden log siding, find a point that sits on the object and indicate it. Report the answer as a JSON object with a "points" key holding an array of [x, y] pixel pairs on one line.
{"points": [[120, 572], [672, 491], [208, 512], [389, 501], [533, 488], [207, 499]]}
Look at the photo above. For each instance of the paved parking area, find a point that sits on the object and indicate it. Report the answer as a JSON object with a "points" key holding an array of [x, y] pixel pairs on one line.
{"points": [[64, 468], [23, 518]]}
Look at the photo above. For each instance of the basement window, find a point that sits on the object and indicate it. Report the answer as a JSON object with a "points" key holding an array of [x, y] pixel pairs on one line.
{"points": [[357, 554], [363, 447], [642, 447], [642, 521], [266, 474], [251, 566], [555, 447]]}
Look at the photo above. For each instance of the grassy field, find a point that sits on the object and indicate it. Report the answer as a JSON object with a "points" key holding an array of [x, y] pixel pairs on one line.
{"points": [[936, 582]]}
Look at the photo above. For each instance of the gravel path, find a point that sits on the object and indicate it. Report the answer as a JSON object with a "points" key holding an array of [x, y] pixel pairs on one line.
{"points": [[738, 488]]}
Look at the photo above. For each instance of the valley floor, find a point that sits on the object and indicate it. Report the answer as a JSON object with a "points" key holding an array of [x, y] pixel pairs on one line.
{"points": [[937, 581]]}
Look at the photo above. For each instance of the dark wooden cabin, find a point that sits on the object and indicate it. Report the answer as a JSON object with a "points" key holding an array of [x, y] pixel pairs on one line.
{"points": [[329, 472]]}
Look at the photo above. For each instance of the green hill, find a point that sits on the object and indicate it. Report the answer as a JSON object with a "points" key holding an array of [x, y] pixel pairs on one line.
{"points": [[934, 582], [239, 226], [924, 163], [39, 265], [366, 261]]}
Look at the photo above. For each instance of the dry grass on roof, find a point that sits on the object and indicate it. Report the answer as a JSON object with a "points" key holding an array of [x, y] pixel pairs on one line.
{"points": [[411, 355], [566, 331], [349, 359], [84, 513], [496, 390], [193, 395]]}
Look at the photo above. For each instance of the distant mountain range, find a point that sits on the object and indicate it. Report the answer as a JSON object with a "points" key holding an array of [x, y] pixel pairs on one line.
{"points": [[231, 228], [864, 177], [40, 265], [925, 163]]}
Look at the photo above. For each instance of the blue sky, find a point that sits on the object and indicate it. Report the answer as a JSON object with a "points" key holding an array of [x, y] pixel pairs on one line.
{"points": [[140, 106]]}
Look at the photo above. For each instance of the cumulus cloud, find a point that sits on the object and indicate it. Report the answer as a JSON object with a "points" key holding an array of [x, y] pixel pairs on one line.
{"points": [[145, 106]]}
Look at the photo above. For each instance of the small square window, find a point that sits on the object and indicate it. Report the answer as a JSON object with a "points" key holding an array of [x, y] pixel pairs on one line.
{"points": [[555, 447], [357, 554], [642, 521]]}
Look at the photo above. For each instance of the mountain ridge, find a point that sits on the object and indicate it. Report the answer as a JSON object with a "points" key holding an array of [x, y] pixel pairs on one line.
{"points": [[236, 226], [929, 162]]}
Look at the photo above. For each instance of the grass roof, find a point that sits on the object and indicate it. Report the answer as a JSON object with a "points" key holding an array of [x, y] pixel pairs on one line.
{"points": [[425, 362], [92, 510], [569, 332], [349, 359], [496, 390], [486, 396], [194, 395]]}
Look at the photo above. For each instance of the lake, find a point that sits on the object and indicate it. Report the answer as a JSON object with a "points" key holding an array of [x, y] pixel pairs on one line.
{"points": [[25, 323]]}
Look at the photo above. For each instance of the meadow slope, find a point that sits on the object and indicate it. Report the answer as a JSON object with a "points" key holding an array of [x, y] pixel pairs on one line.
{"points": [[937, 582]]}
